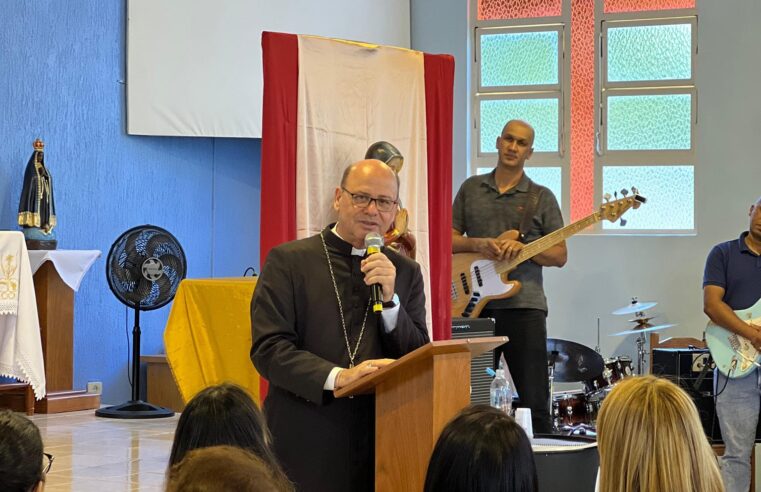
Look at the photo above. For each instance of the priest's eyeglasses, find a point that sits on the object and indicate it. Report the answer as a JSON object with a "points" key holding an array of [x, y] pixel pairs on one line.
{"points": [[363, 201], [48, 463]]}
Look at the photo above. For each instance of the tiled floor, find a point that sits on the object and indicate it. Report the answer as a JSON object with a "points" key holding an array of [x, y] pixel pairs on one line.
{"points": [[98, 454]]}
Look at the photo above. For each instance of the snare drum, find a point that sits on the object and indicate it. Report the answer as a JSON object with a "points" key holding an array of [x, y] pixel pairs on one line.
{"points": [[616, 369], [571, 407]]}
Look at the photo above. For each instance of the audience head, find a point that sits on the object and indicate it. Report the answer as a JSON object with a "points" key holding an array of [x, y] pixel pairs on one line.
{"points": [[222, 415], [22, 467], [482, 450], [224, 469], [650, 439]]}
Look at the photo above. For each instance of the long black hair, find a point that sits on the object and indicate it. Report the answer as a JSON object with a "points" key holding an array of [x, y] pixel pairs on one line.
{"points": [[20, 453], [482, 450], [223, 415]]}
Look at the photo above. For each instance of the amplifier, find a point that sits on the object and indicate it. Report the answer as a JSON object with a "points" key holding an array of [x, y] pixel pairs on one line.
{"points": [[480, 381], [684, 367]]}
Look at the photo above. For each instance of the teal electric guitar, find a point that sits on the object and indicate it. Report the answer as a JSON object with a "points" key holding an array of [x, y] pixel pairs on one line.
{"points": [[734, 355]]}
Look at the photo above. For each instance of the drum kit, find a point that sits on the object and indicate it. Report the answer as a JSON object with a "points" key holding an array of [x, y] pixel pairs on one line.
{"points": [[575, 411]]}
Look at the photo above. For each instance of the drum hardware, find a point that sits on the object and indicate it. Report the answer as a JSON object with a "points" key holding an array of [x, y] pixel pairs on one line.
{"points": [[635, 307], [597, 347], [642, 326]]}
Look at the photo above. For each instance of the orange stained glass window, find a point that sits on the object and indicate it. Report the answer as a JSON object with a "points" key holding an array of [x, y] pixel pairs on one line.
{"points": [[614, 6], [582, 109], [518, 9]]}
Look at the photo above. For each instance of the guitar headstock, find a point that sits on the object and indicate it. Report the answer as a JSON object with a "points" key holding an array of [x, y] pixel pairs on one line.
{"points": [[613, 210]]}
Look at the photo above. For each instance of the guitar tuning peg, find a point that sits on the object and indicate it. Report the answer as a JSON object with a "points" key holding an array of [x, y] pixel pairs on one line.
{"points": [[624, 192], [615, 195], [635, 190], [623, 222], [607, 197]]}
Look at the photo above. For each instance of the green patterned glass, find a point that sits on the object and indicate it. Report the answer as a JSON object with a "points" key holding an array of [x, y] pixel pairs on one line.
{"points": [[542, 114], [670, 193], [525, 58], [661, 122], [650, 53]]}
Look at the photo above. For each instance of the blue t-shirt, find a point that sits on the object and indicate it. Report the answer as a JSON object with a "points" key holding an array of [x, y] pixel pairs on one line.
{"points": [[735, 268]]}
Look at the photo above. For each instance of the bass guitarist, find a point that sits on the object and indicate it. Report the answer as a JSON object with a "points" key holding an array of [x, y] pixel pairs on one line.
{"points": [[487, 212], [732, 281]]}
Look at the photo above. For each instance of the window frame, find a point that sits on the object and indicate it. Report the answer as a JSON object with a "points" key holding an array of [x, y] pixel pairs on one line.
{"points": [[561, 91], [605, 89]]}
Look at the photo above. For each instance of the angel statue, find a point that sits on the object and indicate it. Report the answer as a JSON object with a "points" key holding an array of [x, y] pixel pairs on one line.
{"points": [[398, 237]]}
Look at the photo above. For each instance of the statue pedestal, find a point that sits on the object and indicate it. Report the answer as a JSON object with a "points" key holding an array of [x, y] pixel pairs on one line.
{"points": [[37, 244], [55, 307]]}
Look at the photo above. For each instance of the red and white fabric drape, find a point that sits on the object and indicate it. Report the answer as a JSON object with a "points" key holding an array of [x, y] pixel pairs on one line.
{"points": [[325, 102]]}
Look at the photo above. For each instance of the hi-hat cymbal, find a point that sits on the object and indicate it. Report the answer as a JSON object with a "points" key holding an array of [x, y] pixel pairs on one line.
{"points": [[635, 307], [573, 361], [642, 330], [641, 321]]}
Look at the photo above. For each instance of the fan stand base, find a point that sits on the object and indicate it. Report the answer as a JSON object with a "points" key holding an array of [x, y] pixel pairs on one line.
{"points": [[135, 409]]}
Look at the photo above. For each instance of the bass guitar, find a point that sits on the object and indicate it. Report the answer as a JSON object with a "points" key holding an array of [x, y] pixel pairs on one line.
{"points": [[477, 280]]}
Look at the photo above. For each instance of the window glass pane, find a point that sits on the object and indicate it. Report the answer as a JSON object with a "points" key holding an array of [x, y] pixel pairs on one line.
{"points": [[523, 58], [650, 53], [542, 114], [551, 177], [670, 193], [649, 122]]}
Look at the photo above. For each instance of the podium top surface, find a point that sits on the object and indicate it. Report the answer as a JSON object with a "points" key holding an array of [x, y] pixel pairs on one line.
{"points": [[474, 346]]}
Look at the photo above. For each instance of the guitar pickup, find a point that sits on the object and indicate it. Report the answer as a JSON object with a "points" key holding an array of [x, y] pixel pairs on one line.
{"points": [[478, 276], [464, 281]]}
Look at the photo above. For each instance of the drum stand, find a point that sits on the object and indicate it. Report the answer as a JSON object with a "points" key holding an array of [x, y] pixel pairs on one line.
{"points": [[551, 377], [641, 353]]}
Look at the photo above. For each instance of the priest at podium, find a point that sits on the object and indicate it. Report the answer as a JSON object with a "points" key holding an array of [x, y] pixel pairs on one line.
{"points": [[315, 330]]}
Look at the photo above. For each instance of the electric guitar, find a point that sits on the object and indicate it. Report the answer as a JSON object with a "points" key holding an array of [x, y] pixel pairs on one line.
{"points": [[477, 280], [733, 354]]}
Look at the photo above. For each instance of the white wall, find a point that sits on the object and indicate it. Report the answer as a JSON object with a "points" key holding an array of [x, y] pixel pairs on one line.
{"points": [[603, 272], [441, 27]]}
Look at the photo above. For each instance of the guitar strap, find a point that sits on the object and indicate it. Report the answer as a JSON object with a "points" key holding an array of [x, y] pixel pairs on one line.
{"points": [[528, 212]]}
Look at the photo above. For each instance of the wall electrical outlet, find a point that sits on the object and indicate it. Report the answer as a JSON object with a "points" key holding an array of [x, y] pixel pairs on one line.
{"points": [[95, 387]]}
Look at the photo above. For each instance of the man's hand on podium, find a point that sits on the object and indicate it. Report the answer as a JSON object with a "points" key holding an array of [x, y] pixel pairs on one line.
{"points": [[348, 376]]}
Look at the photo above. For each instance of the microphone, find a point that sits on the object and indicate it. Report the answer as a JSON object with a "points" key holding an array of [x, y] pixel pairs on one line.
{"points": [[374, 243]]}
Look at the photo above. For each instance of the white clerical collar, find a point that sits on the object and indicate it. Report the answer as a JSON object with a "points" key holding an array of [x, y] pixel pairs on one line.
{"points": [[354, 251]]}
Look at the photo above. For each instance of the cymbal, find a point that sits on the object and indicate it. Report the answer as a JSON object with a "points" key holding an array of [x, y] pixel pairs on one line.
{"points": [[641, 321], [573, 361], [635, 307], [642, 330]]}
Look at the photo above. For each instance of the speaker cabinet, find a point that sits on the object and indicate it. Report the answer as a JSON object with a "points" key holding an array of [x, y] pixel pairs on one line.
{"points": [[684, 367], [480, 381]]}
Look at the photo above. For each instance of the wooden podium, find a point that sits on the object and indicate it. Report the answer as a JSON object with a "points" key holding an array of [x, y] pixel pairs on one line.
{"points": [[55, 307], [415, 397]]}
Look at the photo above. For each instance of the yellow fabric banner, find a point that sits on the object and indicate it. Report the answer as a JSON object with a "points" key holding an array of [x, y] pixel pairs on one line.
{"points": [[208, 335]]}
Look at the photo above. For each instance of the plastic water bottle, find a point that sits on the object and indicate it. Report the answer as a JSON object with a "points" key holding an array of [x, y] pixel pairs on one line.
{"points": [[501, 396]]}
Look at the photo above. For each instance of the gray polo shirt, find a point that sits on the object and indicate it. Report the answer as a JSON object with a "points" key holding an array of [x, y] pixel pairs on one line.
{"points": [[480, 210]]}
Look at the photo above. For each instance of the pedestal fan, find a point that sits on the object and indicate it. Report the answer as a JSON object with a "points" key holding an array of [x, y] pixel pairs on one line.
{"points": [[144, 268]]}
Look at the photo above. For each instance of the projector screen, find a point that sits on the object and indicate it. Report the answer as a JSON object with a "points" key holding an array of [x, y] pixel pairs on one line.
{"points": [[194, 67]]}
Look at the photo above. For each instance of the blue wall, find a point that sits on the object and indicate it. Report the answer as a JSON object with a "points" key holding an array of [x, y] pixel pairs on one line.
{"points": [[62, 73]]}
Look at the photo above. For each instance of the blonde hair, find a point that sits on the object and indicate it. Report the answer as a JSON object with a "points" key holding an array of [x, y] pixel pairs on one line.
{"points": [[650, 440]]}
